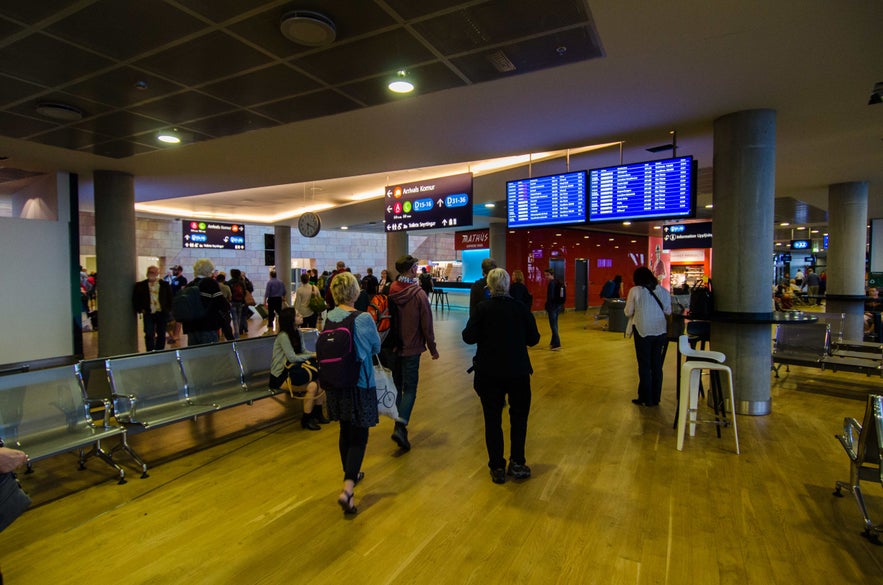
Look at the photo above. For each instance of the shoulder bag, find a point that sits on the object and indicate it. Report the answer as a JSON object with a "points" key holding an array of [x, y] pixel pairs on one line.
{"points": [[317, 303], [669, 320]]}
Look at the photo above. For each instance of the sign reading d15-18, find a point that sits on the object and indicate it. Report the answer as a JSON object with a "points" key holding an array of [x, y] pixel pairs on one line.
{"points": [[435, 203]]}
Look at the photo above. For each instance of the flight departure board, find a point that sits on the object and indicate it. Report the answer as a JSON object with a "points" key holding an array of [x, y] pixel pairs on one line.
{"points": [[550, 200], [657, 189]]}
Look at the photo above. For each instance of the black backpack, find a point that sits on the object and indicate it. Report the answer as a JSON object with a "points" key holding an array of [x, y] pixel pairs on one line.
{"points": [[336, 352], [187, 305], [701, 303]]}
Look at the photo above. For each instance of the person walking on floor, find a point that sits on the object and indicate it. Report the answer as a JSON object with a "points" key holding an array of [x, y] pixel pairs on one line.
{"points": [[478, 291], [647, 306], [555, 297], [415, 334], [355, 407], [274, 293], [503, 329]]}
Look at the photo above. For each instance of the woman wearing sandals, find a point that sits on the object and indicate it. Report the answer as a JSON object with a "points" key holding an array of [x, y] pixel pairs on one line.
{"points": [[299, 368], [355, 408]]}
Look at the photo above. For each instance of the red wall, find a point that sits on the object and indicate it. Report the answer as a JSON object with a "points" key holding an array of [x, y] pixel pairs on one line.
{"points": [[608, 255]]}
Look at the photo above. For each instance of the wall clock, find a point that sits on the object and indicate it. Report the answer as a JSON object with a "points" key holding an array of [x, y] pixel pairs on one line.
{"points": [[309, 224]]}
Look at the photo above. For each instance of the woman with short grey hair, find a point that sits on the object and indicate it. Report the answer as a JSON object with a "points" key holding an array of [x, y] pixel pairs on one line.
{"points": [[503, 328]]}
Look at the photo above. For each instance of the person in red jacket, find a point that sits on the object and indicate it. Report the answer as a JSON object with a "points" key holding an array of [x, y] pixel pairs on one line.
{"points": [[414, 335]]}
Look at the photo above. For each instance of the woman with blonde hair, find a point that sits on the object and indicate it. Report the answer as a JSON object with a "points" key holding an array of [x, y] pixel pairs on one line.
{"points": [[355, 407]]}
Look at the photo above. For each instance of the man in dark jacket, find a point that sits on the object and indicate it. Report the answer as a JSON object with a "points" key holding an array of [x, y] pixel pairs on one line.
{"points": [[415, 335], [205, 330], [152, 298], [478, 291], [555, 297]]}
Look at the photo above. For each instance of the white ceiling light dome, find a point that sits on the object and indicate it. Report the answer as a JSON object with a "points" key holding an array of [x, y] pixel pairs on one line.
{"points": [[308, 28]]}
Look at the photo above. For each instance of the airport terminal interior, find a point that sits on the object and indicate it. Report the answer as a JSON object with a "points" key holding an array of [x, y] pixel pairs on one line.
{"points": [[127, 127]]}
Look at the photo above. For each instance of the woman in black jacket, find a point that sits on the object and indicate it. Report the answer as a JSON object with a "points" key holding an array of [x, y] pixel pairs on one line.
{"points": [[503, 328]]}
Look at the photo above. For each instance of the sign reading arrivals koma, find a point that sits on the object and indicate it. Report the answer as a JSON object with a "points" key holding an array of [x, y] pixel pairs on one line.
{"points": [[211, 234], [472, 240], [682, 236], [445, 202]]}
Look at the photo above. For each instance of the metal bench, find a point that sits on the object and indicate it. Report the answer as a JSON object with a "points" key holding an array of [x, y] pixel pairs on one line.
{"points": [[46, 413], [864, 445], [150, 390], [214, 376], [254, 358], [804, 344]]}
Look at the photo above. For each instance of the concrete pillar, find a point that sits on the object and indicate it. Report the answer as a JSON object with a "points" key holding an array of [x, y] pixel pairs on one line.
{"points": [[116, 261], [283, 257], [847, 238], [742, 231], [497, 233], [396, 246]]}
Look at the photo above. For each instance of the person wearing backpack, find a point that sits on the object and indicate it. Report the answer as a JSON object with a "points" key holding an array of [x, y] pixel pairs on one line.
{"points": [[348, 380], [412, 321], [204, 328]]}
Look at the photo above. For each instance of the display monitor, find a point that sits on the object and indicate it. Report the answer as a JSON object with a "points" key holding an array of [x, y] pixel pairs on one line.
{"points": [[659, 189], [549, 200], [444, 202], [210, 234]]}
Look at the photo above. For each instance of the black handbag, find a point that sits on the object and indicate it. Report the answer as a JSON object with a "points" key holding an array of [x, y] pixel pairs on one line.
{"points": [[13, 499]]}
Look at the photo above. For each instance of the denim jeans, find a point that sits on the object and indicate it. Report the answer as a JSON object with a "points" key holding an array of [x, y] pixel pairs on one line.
{"points": [[405, 375], [236, 315], [553, 325]]}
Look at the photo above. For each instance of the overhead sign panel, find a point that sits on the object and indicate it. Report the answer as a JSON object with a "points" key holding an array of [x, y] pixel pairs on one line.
{"points": [[682, 236], [211, 234], [435, 203]]}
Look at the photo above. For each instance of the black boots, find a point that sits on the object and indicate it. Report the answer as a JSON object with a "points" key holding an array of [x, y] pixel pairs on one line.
{"points": [[318, 415], [400, 436], [308, 422]]}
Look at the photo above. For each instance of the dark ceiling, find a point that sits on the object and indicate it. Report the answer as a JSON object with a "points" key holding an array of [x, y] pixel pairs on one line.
{"points": [[214, 68]]}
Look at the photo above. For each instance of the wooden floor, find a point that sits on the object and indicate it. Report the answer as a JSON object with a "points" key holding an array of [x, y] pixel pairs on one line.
{"points": [[247, 496]]}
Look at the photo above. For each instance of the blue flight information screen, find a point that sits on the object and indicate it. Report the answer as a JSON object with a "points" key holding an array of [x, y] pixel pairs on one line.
{"points": [[550, 200], [647, 190]]}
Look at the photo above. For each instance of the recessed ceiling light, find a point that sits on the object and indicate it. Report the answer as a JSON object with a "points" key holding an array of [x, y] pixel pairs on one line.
{"points": [[489, 205], [813, 231], [626, 223], [169, 136], [802, 227], [343, 227], [58, 111], [784, 224], [401, 83], [657, 227], [709, 206]]}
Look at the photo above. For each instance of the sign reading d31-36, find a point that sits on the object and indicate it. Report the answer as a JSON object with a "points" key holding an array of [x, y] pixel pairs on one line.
{"points": [[435, 203]]}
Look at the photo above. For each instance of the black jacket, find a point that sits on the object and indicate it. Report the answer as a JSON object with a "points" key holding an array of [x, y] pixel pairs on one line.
{"points": [[218, 309], [502, 328], [141, 296]]}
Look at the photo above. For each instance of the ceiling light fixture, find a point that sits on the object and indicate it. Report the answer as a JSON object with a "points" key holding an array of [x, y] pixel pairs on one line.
{"points": [[401, 83], [308, 28], [490, 205], [59, 111], [169, 136]]}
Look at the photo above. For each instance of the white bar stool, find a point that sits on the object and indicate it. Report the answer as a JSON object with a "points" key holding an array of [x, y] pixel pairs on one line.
{"points": [[691, 371]]}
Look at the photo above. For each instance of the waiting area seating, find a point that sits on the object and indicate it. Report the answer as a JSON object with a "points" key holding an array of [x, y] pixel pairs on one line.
{"points": [[864, 445], [50, 411], [821, 345]]}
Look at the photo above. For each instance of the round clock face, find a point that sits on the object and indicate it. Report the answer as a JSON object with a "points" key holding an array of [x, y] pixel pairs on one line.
{"points": [[309, 224]]}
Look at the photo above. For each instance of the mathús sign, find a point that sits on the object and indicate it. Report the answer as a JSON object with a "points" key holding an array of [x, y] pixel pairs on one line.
{"points": [[472, 240]]}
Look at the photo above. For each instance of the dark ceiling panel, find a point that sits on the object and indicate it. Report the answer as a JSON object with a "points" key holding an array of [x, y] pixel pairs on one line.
{"points": [[33, 12], [69, 138], [118, 87], [205, 58], [12, 90], [118, 149], [121, 124], [371, 56], [222, 10], [497, 21], [232, 123], [7, 28], [265, 85], [182, 107], [19, 127], [48, 61], [408, 9], [122, 30], [314, 105]]}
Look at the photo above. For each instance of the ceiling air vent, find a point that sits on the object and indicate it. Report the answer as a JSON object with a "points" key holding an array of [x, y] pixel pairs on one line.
{"points": [[308, 28], [501, 62]]}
